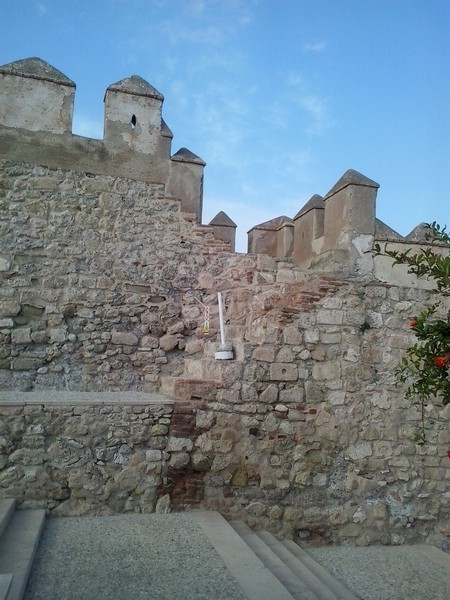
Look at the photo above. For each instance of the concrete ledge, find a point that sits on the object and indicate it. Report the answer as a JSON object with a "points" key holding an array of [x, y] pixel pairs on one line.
{"points": [[14, 398]]}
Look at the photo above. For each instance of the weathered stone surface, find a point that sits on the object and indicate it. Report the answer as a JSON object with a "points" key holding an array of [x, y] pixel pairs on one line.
{"points": [[179, 444], [21, 335], [119, 337], [305, 417], [168, 342], [283, 372]]}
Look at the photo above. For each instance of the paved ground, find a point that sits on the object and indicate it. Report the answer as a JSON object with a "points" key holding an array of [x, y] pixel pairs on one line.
{"points": [[168, 557], [388, 572], [151, 557]]}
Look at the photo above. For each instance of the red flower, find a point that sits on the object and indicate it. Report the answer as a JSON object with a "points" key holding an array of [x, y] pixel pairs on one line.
{"points": [[442, 361], [412, 323], [448, 453]]}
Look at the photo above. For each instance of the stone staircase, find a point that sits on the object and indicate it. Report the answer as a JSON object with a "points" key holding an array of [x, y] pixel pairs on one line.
{"points": [[266, 568], [19, 537]]}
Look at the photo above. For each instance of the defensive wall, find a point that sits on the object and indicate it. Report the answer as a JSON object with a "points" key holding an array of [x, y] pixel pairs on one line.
{"points": [[111, 397]]}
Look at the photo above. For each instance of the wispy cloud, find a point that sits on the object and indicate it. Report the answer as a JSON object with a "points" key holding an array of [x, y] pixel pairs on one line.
{"points": [[176, 32], [315, 107], [315, 47], [41, 8]]}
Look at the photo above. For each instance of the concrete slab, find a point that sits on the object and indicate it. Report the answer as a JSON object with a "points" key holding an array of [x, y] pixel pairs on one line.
{"points": [[314, 575], [435, 555]]}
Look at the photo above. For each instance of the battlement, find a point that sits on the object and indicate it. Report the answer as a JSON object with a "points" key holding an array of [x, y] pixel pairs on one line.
{"points": [[337, 232], [36, 111], [332, 233]]}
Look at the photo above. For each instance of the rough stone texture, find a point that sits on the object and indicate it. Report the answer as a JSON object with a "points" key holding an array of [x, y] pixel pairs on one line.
{"points": [[82, 460], [104, 280]]}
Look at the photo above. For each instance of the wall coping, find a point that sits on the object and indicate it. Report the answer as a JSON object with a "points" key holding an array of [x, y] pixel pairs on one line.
{"points": [[73, 398]]}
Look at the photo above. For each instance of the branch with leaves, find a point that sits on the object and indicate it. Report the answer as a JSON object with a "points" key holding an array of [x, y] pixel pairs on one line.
{"points": [[425, 367]]}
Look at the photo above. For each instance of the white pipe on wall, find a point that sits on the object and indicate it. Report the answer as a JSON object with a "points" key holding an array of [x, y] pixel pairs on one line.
{"points": [[225, 350], [222, 329]]}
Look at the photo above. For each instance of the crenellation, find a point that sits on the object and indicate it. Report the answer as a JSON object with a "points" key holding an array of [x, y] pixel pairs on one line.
{"points": [[43, 97]]}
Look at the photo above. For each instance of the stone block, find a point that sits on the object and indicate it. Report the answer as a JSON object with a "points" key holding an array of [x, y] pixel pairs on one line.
{"points": [[293, 394], [330, 317], [312, 336], [5, 265], [332, 302], [6, 323], [326, 371], [179, 460], [264, 353], [168, 342], [9, 308], [21, 335], [149, 341], [285, 355], [359, 451], [292, 335], [25, 364], [121, 337], [57, 335], [176, 444], [269, 395], [283, 372]]}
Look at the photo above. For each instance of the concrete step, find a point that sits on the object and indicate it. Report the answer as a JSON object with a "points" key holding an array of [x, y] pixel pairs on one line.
{"points": [[5, 583], [254, 577], [282, 571], [6, 510], [335, 588], [18, 545], [297, 571]]}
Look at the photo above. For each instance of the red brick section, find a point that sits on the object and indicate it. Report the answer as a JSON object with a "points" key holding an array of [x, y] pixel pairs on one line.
{"points": [[185, 486], [298, 299]]}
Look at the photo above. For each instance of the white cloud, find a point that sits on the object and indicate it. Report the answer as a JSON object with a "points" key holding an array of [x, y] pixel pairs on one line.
{"points": [[41, 8], [315, 107], [315, 47]]}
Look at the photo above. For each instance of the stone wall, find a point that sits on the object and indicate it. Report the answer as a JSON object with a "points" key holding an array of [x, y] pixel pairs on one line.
{"points": [[105, 275], [99, 453], [98, 279], [316, 440], [305, 432]]}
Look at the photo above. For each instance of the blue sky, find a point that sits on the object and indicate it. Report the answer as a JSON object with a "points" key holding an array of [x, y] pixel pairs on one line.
{"points": [[279, 97]]}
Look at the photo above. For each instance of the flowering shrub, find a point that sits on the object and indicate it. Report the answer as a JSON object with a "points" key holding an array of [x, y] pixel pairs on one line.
{"points": [[425, 367]]}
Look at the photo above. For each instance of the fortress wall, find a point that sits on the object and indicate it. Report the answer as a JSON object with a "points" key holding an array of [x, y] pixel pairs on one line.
{"points": [[103, 264]]}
